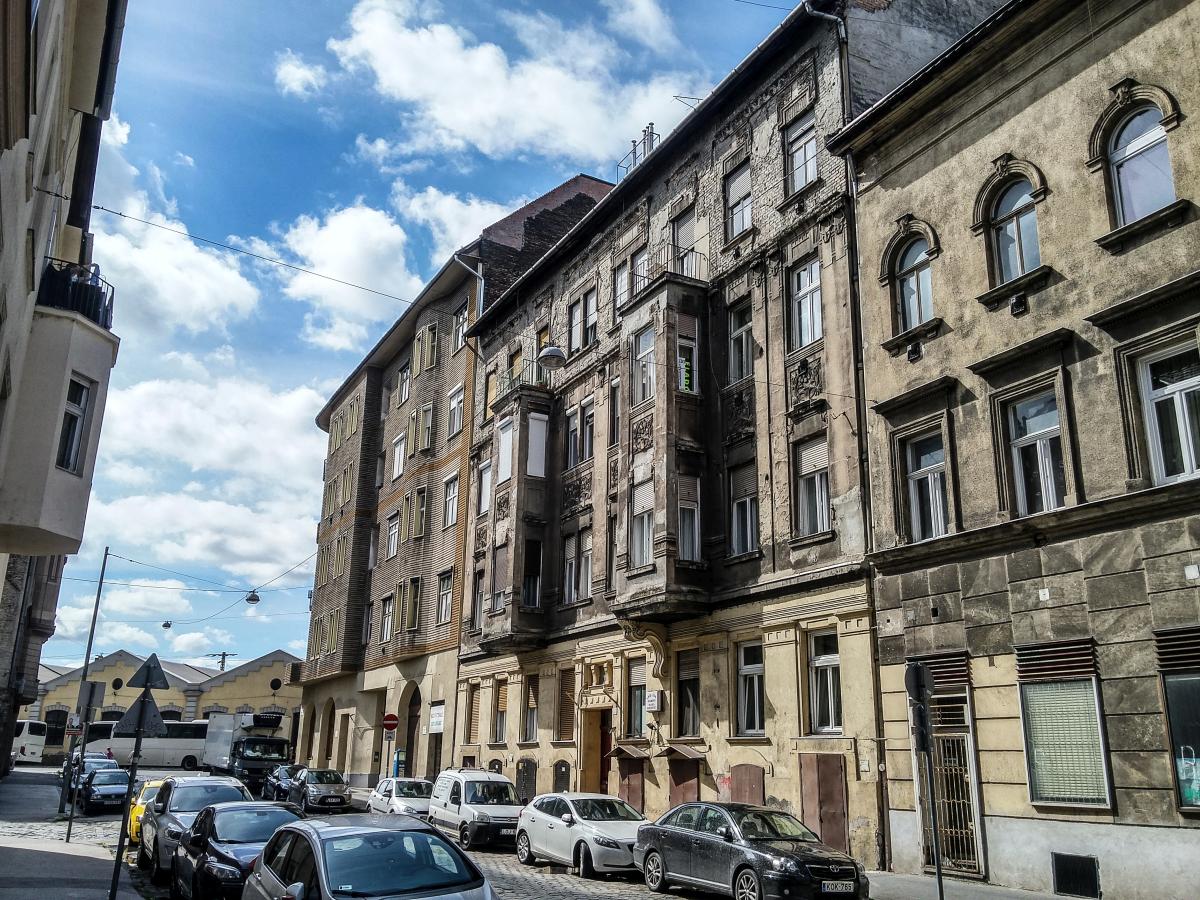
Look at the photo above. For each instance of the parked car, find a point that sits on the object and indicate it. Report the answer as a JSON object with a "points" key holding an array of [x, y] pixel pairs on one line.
{"points": [[407, 796], [593, 832], [146, 793], [91, 764], [103, 789], [363, 856], [279, 781], [174, 809], [214, 856], [744, 851], [475, 806], [322, 789]]}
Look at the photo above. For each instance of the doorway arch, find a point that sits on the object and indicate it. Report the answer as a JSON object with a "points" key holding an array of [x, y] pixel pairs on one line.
{"points": [[412, 734], [327, 733]]}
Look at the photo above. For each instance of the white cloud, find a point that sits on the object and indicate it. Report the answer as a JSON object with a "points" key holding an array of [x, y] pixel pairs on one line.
{"points": [[643, 21], [114, 132], [560, 98], [129, 474], [197, 643], [453, 220], [298, 646], [296, 77], [118, 634], [182, 159]]}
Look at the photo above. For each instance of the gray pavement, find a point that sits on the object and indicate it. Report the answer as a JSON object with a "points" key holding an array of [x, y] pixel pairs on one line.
{"points": [[50, 868]]}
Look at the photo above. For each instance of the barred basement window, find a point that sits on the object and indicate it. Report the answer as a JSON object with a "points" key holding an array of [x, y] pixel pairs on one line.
{"points": [[1064, 750]]}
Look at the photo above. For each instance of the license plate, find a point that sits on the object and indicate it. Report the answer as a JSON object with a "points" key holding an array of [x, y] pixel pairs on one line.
{"points": [[331, 800], [507, 832], [838, 887]]}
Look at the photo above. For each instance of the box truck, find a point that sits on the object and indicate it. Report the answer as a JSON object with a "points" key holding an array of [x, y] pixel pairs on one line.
{"points": [[246, 745]]}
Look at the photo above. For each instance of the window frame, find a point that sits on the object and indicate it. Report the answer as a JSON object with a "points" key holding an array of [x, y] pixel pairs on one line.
{"points": [[745, 507], [405, 385], [741, 335], [504, 471], [938, 489], [641, 535], [1113, 165], [445, 601], [693, 507], [751, 674], [998, 223], [1041, 440], [484, 482], [79, 414], [635, 718], [1165, 676], [449, 505], [799, 138], [815, 664], [913, 271], [738, 209], [685, 703], [1176, 392], [460, 328], [643, 365], [1103, 754], [387, 619], [455, 410], [687, 350], [805, 305], [393, 535], [399, 454]]}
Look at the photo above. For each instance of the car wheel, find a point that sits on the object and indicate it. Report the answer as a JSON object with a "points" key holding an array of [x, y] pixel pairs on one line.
{"points": [[157, 876], [583, 855], [655, 873], [745, 886], [464, 837], [143, 858], [189, 763], [525, 850]]}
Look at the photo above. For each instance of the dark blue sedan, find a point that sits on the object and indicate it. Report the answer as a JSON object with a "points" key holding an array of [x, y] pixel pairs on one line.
{"points": [[214, 856]]}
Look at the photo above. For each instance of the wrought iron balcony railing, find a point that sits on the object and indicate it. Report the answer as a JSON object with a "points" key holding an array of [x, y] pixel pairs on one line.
{"points": [[70, 286], [671, 259], [528, 373]]}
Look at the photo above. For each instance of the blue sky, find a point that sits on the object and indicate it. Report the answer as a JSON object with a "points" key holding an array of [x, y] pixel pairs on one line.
{"points": [[361, 140]]}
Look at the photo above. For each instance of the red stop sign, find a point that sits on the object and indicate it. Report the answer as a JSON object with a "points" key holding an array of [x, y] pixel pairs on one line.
{"points": [[390, 721]]}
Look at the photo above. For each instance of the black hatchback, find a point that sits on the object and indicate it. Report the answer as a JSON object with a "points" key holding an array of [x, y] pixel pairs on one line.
{"points": [[214, 856], [746, 852]]}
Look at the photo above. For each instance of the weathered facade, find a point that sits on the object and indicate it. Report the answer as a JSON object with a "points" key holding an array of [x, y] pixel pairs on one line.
{"points": [[387, 602], [1029, 277], [667, 534], [58, 62]]}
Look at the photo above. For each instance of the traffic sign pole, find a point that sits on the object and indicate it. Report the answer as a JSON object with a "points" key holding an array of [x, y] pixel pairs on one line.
{"points": [[918, 681], [390, 723]]}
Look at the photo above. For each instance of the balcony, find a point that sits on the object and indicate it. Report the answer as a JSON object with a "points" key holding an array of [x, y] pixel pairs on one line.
{"points": [[78, 289], [527, 374], [671, 260]]}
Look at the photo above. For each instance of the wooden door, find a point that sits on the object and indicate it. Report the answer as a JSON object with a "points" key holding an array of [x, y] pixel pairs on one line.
{"points": [[526, 779], [562, 776], [685, 780], [632, 781], [746, 784], [823, 797]]}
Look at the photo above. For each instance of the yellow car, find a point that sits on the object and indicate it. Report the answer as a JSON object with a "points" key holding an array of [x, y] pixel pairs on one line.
{"points": [[145, 796]]}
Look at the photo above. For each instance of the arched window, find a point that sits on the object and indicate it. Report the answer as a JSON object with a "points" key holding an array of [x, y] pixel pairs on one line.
{"points": [[914, 284], [1014, 232], [1140, 166]]}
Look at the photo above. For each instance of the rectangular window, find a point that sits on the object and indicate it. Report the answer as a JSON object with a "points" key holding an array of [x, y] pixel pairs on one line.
{"points": [[684, 259], [1171, 396], [399, 452], [743, 488], [804, 305], [685, 353], [575, 327], [472, 723], [741, 343], [642, 527], [531, 584], [812, 486], [572, 439], [751, 689], [643, 365], [414, 428], [427, 426], [610, 555], [620, 284], [825, 682], [393, 534], [478, 600], [489, 394], [570, 569], [405, 517], [454, 412], [504, 472], [585, 564], [450, 503], [529, 719], [687, 683], [1037, 460], [385, 623], [800, 154], [635, 697], [639, 263], [431, 346], [405, 385], [688, 488], [566, 705], [373, 548], [738, 202], [412, 615], [590, 318], [1182, 693], [925, 458], [543, 341], [368, 615], [535, 464], [485, 488], [419, 513], [1063, 747], [460, 328], [445, 596], [500, 712], [499, 576], [587, 429], [614, 412], [70, 439]]}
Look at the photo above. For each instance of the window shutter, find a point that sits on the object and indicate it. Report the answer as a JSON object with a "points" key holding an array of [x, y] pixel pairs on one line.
{"points": [[1178, 649], [951, 671], [501, 696], [685, 230], [418, 354], [414, 431], [686, 327], [643, 497], [739, 184], [585, 541], [688, 664], [1055, 660], [1066, 761], [532, 684], [743, 482], [473, 715], [570, 550], [535, 463], [637, 671], [688, 487], [813, 456], [566, 704]]}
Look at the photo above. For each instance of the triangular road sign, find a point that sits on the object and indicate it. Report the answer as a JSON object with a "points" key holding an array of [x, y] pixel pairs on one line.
{"points": [[152, 721], [150, 675]]}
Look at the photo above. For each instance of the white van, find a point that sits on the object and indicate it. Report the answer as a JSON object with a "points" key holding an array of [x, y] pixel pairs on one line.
{"points": [[475, 806], [29, 740]]}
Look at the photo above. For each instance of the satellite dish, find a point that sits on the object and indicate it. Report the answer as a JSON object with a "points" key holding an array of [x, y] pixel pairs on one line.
{"points": [[276, 684], [118, 683]]}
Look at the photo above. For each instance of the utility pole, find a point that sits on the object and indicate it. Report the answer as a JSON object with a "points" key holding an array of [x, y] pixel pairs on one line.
{"points": [[222, 655], [919, 683]]}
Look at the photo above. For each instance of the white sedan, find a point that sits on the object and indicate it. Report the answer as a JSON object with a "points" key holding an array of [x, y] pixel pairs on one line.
{"points": [[592, 832], [406, 796]]}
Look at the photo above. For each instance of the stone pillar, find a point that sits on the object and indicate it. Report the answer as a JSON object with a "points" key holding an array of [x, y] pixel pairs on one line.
{"points": [[191, 711]]}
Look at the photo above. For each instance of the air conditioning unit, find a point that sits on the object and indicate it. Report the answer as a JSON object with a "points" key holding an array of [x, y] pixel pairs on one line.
{"points": [[654, 701]]}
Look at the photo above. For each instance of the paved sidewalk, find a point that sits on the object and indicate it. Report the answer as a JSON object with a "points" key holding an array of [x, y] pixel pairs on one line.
{"points": [[890, 886], [76, 871]]}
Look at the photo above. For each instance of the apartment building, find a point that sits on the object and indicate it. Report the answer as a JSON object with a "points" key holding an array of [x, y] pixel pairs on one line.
{"points": [[58, 60], [1030, 306], [667, 536], [387, 599]]}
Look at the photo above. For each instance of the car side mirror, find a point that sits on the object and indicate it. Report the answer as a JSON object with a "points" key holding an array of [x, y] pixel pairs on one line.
{"points": [[159, 806], [568, 819], [195, 841], [294, 892], [724, 833]]}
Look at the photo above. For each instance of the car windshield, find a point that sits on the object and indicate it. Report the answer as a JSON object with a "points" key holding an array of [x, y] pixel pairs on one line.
{"points": [[383, 863], [267, 749], [324, 776], [417, 789], [594, 810], [115, 777], [91, 765], [149, 792], [194, 797], [251, 826], [767, 825], [491, 793], [288, 771]]}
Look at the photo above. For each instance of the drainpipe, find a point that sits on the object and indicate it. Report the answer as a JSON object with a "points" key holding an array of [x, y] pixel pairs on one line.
{"points": [[829, 17], [478, 274]]}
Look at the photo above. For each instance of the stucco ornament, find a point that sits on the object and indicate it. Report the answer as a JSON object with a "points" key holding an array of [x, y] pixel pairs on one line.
{"points": [[652, 635]]}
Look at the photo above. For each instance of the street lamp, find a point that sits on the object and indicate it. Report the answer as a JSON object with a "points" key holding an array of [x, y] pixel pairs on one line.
{"points": [[252, 598], [552, 357]]}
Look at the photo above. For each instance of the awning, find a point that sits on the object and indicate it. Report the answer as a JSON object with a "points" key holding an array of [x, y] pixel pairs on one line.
{"points": [[683, 751], [627, 751]]}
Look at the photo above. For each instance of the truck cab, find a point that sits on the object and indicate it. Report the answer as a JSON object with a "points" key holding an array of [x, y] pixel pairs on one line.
{"points": [[246, 746]]}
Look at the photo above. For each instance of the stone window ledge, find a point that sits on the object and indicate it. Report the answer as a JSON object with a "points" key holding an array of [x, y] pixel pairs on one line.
{"points": [[744, 557], [749, 740], [647, 569], [809, 540], [695, 565], [927, 329], [1019, 287], [1168, 217], [742, 237], [801, 191], [567, 743], [525, 745]]}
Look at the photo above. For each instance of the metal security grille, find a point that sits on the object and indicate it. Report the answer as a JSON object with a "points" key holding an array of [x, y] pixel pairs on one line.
{"points": [[1062, 739], [1075, 876], [953, 788]]}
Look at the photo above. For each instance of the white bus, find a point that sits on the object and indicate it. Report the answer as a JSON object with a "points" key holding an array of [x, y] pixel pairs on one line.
{"points": [[183, 746], [29, 739]]}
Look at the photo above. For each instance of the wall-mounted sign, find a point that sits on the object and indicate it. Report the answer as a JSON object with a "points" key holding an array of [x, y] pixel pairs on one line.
{"points": [[437, 718]]}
